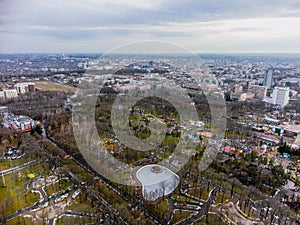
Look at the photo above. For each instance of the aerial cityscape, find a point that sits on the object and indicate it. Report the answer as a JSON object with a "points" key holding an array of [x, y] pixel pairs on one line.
{"points": [[149, 113], [254, 177]]}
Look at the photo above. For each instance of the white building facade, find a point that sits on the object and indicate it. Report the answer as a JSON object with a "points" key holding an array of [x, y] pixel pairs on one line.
{"points": [[280, 96], [10, 93]]}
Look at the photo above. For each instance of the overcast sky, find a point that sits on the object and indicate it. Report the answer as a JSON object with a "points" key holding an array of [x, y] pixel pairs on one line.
{"points": [[204, 26]]}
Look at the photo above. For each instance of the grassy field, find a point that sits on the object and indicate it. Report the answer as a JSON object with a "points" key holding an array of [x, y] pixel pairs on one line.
{"points": [[23, 221], [65, 220], [81, 204], [14, 195], [220, 195], [203, 194], [51, 86], [161, 208], [212, 220], [5, 163], [179, 215], [58, 187]]}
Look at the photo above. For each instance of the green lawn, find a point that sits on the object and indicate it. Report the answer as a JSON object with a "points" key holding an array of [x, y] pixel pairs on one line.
{"points": [[23, 221], [51, 86], [57, 187], [212, 220], [5, 163], [220, 195], [161, 209], [82, 205], [15, 196], [183, 199], [179, 215], [73, 220], [201, 194], [248, 210]]}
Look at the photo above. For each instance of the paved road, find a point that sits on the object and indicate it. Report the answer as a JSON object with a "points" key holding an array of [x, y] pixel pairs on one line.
{"points": [[204, 208], [11, 170]]}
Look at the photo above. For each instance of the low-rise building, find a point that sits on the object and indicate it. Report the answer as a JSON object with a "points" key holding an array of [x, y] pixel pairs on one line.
{"points": [[271, 121], [228, 150], [2, 95], [268, 140], [22, 88], [31, 87], [3, 110], [238, 89], [288, 130], [18, 123], [10, 93], [259, 91], [241, 97]]}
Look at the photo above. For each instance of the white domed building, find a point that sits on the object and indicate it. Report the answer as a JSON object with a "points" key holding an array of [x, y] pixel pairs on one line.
{"points": [[157, 181]]}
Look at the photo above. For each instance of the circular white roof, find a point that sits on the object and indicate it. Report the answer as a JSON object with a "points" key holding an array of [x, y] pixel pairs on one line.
{"points": [[153, 174], [157, 181]]}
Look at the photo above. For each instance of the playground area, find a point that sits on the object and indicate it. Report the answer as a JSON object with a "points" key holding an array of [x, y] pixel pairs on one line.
{"points": [[37, 193], [52, 209]]}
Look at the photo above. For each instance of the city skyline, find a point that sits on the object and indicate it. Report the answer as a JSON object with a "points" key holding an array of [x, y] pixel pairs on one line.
{"points": [[202, 27]]}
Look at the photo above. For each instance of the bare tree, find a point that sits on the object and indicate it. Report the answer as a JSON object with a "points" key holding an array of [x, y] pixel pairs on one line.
{"points": [[4, 206]]}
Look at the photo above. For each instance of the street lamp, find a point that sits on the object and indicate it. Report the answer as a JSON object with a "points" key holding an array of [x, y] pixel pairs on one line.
{"points": [[10, 161], [3, 179]]}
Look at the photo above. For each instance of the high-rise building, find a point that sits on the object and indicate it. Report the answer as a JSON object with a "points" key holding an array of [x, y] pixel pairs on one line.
{"points": [[268, 79], [280, 96]]}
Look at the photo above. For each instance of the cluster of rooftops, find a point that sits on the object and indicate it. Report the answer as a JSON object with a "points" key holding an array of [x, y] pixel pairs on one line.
{"points": [[17, 122]]}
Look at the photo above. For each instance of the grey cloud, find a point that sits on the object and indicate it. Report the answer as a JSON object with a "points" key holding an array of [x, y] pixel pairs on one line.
{"points": [[104, 20], [80, 13]]}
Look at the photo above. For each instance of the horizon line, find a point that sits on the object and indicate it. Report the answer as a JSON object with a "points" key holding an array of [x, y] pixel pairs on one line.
{"points": [[149, 53]]}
